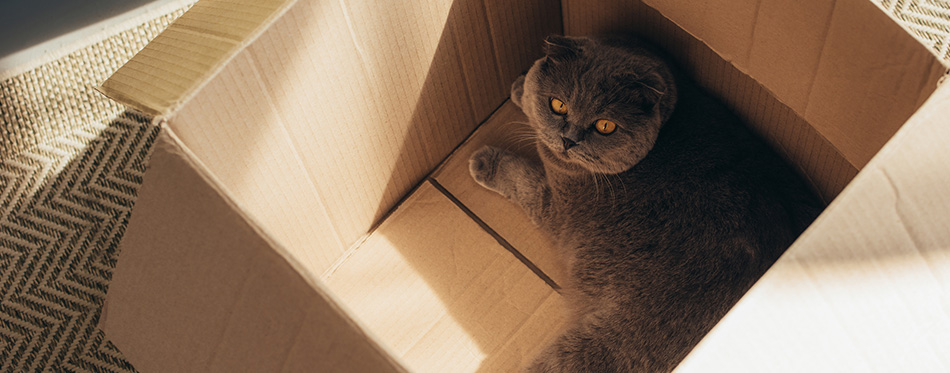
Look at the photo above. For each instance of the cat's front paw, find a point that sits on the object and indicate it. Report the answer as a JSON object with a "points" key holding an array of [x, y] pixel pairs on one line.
{"points": [[484, 165]]}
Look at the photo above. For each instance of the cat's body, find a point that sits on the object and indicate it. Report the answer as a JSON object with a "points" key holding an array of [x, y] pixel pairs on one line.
{"points": [[665, 221]]}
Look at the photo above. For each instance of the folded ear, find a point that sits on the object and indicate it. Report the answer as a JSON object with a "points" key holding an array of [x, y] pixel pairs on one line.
{"points": [[653, 89], [650, 89], [562, 48]]}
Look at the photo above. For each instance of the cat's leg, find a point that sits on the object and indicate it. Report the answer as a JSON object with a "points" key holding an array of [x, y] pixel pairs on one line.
{"points": [[515, 178]]}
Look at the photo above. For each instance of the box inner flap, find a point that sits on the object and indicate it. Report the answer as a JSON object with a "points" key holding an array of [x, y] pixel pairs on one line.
{"points": [[354, 103], [189, 52], [443, 294], [198, 287], [788, 132], [850, 71], [501, 215], [251, 154], [866, 287]]}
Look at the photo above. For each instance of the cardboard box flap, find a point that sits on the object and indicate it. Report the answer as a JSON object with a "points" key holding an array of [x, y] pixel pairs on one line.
{"points": [[442, 293], [867, 286], [843, 65], [324, 122], [172, 67], [200, 287], [504, 218]]}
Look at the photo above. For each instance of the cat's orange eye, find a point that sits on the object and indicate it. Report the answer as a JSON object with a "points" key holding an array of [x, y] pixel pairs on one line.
{"points": [[605, 127], [558, 106]]}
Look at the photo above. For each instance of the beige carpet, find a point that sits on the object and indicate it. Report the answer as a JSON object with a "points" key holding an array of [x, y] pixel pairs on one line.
{"points": [[70, 164]]}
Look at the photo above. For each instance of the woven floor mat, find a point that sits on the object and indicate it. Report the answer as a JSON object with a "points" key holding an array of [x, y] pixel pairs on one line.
{"points": [[928, 20], [71, 162]]}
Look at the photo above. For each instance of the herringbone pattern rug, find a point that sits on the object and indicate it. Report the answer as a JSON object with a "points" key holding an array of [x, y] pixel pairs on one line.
{"points": [[929, 20], [70, 164], [64, 207]]}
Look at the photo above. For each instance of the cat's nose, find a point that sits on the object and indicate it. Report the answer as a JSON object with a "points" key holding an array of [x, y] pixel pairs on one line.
{"points": [[568, 143]]}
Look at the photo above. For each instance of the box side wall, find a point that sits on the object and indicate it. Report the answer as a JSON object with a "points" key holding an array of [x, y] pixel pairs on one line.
{"points": [[843, 65], [443, 294], [866, 286], [851, 72], [198, 288], [799, 142], [339, 108]]}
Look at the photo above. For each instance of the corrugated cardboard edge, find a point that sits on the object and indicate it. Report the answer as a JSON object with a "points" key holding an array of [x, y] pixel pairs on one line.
{"points": [[311, 279], [126, 95]]}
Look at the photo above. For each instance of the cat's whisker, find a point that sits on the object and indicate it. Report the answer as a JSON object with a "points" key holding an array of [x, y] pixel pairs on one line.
{"points": [[524, 136], [522, 140], [623, 184], [596, 187], [610, 186]]}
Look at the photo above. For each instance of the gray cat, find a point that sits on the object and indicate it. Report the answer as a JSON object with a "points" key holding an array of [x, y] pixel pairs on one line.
{"points": [[665, 206]]}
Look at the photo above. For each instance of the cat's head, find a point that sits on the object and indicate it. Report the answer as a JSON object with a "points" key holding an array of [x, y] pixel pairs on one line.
{"points": [[595, 104]]}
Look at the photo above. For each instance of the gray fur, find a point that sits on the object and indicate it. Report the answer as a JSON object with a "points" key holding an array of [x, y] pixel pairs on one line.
{"points": [[666, 222]]}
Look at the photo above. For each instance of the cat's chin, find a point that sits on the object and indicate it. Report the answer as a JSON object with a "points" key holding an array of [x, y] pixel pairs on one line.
{"points": [[573, 162], [596, 167]]}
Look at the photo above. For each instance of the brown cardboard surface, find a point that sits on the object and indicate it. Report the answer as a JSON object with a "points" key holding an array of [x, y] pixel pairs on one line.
{"points": [[868, 81], [318, 128], [319, 155], [442, 293], [788, 133], [250, 152], [853, 73], [867, 287], [814, 155], [189, 52], [507, 128], [198, 288], [840, 64]]}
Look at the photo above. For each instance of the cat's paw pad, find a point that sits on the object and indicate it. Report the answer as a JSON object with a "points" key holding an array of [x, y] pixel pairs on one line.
{"points": [[484, 165]]}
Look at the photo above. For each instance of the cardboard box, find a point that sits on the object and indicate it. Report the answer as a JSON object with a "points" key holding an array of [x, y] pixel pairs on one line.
{"points": [[307, 207]]}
